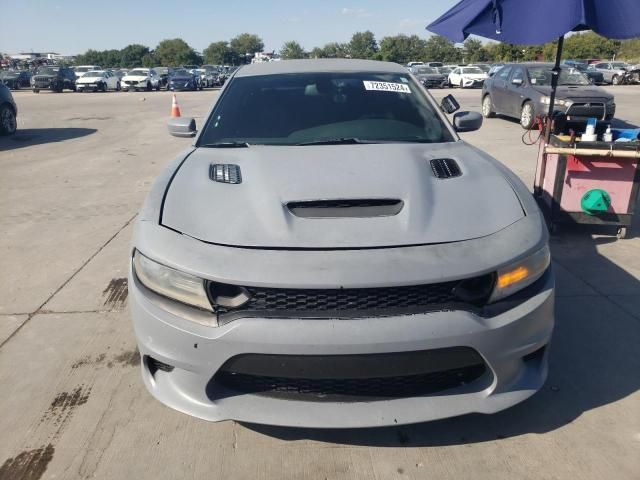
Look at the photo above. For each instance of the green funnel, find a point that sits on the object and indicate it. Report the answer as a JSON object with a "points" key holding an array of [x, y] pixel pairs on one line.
{"points": [[595, 201]]}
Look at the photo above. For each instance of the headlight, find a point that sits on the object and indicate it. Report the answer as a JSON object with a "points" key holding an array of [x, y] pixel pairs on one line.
{"points": [[559, 102], [171, 283], [520, 275]]}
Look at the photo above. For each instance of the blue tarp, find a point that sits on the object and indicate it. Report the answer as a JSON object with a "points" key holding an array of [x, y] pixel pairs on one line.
{"points": [[538, 21]]}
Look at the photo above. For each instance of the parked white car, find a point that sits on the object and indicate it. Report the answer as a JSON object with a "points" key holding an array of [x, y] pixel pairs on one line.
{"points": [[141, 79], [82, 69], [98, 80], [467, 77]]}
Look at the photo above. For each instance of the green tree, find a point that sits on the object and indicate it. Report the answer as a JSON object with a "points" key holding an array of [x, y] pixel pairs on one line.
{"points": [[330, 50], [246, 44], [176, 52], [149, 61], [131, 56], [90, 57], [474, 51], [440, 49], [363, 45], [292, 50], [218, 53], [630, 50], [402, 49]]}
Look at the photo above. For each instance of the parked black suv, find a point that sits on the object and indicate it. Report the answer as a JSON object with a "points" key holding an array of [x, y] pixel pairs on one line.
{"points": [[53, 78]]}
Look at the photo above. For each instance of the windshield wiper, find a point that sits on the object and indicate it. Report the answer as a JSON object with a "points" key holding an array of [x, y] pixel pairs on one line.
{"points": [[226, 145], [334, 141]]}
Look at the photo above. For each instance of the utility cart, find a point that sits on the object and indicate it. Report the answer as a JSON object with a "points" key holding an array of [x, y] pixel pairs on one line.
{"points": [[593, 183]]}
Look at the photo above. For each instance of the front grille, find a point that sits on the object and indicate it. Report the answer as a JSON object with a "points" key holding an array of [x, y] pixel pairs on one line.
{"points": [[351, 377], [469, 295], [588, 110]]}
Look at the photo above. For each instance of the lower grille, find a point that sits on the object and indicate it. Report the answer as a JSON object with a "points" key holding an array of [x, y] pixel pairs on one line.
{"points": [[366, 389]]}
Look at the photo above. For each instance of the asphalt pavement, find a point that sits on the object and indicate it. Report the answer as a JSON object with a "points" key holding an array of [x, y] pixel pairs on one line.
{"points": [[73, 403]]}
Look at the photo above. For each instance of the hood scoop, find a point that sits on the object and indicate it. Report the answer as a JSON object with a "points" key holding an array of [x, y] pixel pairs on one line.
{"points": [[225, 173], [445, 168], [346, 208]]}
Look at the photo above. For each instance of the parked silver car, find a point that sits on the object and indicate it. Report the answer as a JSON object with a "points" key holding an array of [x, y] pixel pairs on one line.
{"points": [[8, 111], [611, 71], [329, 253]]}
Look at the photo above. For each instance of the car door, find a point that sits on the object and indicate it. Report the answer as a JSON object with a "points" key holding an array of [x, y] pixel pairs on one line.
{"points": [[111, 81], [499, 88], [514, 92], [605, 68], [454, 76]]}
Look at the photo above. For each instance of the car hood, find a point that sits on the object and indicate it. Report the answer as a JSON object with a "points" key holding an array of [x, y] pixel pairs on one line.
{"points": [[258, 211], [474, 76], [181, 78], [135, 77], [89, 79], [586, 91]]}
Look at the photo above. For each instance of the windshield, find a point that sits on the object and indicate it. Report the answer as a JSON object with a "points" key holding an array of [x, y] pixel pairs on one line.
{"points": [[46, 71], [181, 73], [294, 109], [426, 70], [83, 69], [138, 73], [94, 73], [472, 71], [541, 76], [619, 65]]}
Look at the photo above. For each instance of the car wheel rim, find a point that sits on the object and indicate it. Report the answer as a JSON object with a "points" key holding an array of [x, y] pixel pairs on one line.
{"points": [[486, 106], [526, 116], [8, 121]]}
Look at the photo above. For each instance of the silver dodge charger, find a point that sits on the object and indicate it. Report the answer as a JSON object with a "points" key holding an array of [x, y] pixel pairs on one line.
{"points": [[329, 253]]}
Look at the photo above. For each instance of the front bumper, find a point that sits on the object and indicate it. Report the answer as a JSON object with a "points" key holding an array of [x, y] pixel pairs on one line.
{"points": [[469, 83], [580, 112], [88, 86], [511, 343], [177, 86]]}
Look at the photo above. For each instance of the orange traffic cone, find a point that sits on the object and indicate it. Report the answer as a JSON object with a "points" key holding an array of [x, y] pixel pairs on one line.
{"points": [[175, 109]]}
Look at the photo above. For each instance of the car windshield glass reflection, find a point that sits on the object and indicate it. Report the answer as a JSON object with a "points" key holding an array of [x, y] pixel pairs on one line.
{"points": [[541, 76], [139, 73], [295, 109]]}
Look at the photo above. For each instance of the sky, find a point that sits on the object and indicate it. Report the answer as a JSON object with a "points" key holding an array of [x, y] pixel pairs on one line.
{"points": [[71, 27]]}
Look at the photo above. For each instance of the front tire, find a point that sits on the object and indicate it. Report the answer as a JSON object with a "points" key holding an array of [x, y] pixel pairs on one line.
{"points": [[148, 86], [461, 83], [8, 123], [487, 107], [118, 87], [527, 116]]}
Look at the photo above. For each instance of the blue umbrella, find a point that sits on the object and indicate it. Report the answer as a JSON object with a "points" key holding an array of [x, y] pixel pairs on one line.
{"points": [[539, 21]]}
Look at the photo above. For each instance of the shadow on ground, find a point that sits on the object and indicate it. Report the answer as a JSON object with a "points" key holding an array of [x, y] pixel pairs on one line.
{"points": [[594, 360], [36, 136]]}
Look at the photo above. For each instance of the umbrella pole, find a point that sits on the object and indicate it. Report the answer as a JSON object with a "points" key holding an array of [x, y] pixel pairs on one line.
{"points": [[554, 86]]}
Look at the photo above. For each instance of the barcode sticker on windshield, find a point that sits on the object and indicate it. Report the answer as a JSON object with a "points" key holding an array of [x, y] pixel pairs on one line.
{"points": [[386, 87]]}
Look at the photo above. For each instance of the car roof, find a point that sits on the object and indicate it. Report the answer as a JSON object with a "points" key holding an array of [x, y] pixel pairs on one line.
{"points": [[530, 64], [319, 65]]}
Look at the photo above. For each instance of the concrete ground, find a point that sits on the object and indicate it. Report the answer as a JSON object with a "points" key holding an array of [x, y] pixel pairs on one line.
{"points": [[74, 405]]}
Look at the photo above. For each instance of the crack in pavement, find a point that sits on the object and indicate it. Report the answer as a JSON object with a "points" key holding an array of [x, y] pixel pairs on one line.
{"points": [[66, 282]]}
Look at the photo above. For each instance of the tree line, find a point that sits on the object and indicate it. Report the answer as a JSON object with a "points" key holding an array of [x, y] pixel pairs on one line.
{"points": [[398, 48]]}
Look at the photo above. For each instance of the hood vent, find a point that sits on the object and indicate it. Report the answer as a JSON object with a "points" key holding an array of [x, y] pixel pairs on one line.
{"points": [[445, 168], [346, 208], [225, 173]]}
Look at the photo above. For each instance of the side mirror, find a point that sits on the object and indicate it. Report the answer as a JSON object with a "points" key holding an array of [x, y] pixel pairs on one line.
{"points": [[449, 104], [182, 127], [517, 81], [467, 121]]}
